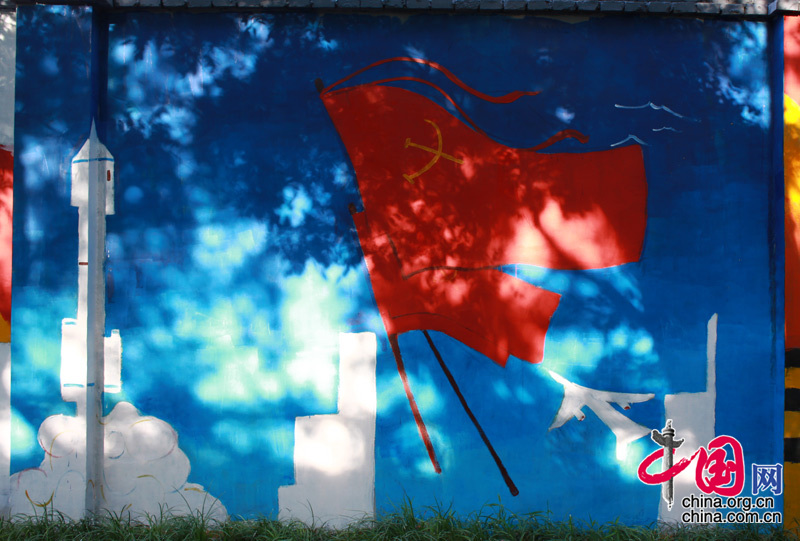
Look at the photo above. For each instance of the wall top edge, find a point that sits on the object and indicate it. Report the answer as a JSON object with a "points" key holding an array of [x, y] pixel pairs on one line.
{"points": [[728, 9]]}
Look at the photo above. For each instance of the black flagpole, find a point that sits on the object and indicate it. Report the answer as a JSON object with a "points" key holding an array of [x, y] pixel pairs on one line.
{"points": [[507, 478]]}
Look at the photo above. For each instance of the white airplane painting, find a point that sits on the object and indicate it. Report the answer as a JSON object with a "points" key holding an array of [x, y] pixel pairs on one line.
{"points": [[576, 397]]}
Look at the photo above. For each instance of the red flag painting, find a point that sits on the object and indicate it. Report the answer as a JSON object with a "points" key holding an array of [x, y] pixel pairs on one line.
{"points": [[450, 196], [445, 205], [489, 310]]}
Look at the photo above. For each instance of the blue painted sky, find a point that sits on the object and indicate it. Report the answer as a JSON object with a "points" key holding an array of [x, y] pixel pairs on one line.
{"points": [[233, 262]]}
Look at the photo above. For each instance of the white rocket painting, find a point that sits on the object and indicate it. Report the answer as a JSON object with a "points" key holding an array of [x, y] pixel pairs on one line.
{"points": [[94, 463], [95, 162]]}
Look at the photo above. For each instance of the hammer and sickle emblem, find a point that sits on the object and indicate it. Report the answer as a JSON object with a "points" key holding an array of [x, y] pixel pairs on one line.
{"points": [[437, 153]]}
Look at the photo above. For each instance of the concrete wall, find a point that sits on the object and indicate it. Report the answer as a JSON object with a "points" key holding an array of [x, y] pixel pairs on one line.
{"points": [[483, 272]]}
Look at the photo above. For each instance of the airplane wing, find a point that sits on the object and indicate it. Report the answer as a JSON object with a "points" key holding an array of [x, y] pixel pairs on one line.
{"points": [[577, 397], [570, 407], [623, 400]]}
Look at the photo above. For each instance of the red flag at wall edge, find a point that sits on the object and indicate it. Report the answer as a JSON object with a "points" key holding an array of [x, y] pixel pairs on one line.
{"points": [[791, 161], [6, 223]]}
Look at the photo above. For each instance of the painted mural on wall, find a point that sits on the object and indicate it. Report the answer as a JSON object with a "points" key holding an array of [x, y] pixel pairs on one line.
{"points": [[491, 205], [414, 269], [143, 471]]}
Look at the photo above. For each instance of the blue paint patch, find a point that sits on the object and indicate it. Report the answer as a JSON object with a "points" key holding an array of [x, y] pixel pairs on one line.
{"points": [[94, 160]]}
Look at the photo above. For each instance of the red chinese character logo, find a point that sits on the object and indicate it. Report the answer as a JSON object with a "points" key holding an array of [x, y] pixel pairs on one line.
{"points": [[725, 477], [714, 474]]}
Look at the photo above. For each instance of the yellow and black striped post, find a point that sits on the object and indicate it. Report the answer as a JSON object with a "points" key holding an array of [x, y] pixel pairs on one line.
{"points": [[791, 440]]}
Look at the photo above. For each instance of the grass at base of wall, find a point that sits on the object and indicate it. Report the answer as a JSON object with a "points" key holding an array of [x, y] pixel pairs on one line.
{"points": [[497, 524]]}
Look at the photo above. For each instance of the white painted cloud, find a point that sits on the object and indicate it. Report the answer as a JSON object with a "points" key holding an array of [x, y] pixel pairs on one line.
{"points": [[145, 471]]}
